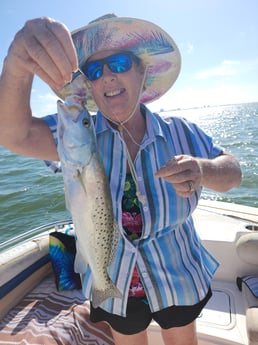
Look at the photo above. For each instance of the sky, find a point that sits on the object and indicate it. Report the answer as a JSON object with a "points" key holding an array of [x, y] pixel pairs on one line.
{"points": [[217, 40]]}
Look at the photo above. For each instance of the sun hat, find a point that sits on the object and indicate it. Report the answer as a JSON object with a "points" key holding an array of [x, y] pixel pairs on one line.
{"points": [[149, 42]]}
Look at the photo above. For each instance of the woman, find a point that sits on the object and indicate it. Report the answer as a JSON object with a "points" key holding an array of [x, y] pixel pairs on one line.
{"points": [[156, 167]]}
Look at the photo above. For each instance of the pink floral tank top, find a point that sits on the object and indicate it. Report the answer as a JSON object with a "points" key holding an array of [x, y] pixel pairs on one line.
{"points": [[132, 224]]}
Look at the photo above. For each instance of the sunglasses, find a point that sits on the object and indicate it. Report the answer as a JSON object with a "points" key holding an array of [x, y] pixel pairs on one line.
{"points": [[117, 63]]}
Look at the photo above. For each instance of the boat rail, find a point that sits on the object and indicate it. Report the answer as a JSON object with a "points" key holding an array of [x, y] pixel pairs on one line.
{"points": [[35, 232]]}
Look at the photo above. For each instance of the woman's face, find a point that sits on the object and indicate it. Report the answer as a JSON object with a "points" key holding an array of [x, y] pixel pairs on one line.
{"points": [[116, 94]]}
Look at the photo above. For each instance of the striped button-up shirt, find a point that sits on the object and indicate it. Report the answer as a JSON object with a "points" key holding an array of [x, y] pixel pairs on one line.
{"points": [[174, 267]]}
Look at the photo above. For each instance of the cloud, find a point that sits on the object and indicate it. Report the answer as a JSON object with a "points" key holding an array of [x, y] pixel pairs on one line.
{"points": [[188, 47], [43, 103], [225, 69], [191, 97], [251, 65]]}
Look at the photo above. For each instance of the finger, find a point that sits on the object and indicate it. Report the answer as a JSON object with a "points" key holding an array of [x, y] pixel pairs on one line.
{"points": [[53, 83], [41, 64], [176, 174], [46, 51], [64, 37], [185, 189], [176, 165], [184, 194], [169, 169]]}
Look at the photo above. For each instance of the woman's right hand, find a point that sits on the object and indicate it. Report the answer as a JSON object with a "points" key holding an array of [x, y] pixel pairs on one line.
{"points": [[43, 47]]}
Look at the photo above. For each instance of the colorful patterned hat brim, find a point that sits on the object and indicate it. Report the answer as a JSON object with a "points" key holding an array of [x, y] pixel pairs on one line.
{"points": [[148, 41]]}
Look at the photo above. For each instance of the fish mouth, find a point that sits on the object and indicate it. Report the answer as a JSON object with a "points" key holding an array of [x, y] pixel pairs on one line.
{"points": [[114, 93]]}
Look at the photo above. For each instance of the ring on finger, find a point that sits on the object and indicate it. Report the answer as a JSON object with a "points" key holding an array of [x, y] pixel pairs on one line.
{"points": [[191, 186]]}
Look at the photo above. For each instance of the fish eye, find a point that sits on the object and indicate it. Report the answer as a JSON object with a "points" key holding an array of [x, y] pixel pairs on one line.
{"points": [[86, 122]]}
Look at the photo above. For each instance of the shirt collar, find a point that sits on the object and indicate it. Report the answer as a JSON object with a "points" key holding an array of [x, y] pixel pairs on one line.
{"points": [[153, 124], [101, 123]]}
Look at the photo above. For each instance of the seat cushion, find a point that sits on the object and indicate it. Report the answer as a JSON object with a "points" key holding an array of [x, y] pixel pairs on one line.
{"points": [[48, 316], [249, 287]]}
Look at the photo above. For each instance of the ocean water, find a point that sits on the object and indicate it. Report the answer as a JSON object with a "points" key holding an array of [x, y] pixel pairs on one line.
{"points": [[31, 195]]}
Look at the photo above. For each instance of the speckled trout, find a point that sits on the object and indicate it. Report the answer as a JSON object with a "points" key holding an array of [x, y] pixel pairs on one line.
{"points": [[87, 196]]}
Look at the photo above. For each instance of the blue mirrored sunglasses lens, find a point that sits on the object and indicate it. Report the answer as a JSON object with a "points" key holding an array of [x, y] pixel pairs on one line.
{"points": [[93, 70], [118, 63]]}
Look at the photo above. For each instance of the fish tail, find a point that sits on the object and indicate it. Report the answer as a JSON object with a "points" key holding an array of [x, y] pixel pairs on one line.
{"points": [[99, 296]]}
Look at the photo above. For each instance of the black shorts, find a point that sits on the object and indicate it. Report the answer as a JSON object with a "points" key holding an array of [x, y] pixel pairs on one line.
{"points": [[139, 316]]}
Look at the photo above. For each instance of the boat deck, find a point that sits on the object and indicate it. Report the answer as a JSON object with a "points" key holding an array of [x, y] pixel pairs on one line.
{"points": [[222, 322], [47, 316], [223, 319]]}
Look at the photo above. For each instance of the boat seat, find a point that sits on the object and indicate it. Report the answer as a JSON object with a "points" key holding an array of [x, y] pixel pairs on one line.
{"points": [[247, 249], [249, 287], [50, 317], [21, 269]]}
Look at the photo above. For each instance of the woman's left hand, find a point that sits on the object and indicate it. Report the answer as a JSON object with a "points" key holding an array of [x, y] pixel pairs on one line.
{"points": [[187, 173], [184, 172]]}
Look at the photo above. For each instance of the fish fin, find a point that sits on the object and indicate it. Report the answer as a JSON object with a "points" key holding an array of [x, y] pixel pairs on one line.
{"points": [[80, 264], [99, 296], [116, 236], [80, 179], [67, 199]]}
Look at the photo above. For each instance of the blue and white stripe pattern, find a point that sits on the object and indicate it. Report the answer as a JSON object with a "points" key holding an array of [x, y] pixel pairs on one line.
{"points": [[175, 268]]}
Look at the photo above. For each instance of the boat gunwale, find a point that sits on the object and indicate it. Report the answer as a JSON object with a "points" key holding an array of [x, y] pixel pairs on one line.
{"points": [[34, 233]]}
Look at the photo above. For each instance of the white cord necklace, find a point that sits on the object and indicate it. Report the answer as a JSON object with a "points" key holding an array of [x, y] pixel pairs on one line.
{"points": [[139, 195], [121, 126]]}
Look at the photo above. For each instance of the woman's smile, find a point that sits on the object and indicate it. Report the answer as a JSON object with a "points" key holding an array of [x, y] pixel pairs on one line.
{"points": [[114, 93]]}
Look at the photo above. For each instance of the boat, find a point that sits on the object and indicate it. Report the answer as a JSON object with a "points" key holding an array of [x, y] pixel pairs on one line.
{"points": [[34, 311]]}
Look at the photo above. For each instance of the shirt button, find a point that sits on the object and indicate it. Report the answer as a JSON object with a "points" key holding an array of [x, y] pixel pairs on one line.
{"points": [[145, 209]]}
